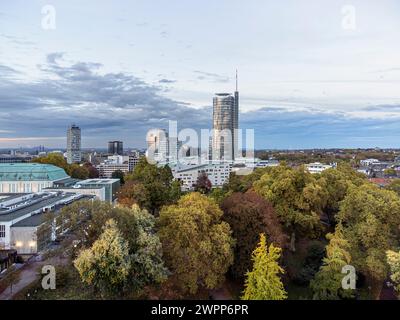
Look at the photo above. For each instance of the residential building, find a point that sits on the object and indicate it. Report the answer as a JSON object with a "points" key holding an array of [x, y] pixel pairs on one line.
{"points": [[74, 153]]}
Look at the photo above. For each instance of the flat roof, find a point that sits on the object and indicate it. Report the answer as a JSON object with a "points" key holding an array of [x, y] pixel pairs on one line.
{"points": [[36, 206], [98, 181]]}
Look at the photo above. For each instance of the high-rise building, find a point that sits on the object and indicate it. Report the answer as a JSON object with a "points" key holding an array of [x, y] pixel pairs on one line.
{"points": [[157, 144], [225, 125], [74, 154], [116, 147]]}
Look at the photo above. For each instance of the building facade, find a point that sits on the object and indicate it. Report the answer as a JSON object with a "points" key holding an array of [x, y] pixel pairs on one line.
{"points": [[225, 125], [74, 153], [28, 177], [116, 147]]}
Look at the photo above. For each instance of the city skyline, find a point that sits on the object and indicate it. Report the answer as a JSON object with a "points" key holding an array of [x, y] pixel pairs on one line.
{"points": [[306, 80]]}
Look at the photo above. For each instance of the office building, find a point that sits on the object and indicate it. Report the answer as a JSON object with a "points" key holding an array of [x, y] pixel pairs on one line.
{"points": [[74, 153], [157, 145], [115, 147], [225, 125]]}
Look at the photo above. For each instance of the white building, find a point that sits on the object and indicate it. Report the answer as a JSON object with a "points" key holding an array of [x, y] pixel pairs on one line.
{"points": [[112, 164], [317, 167], [21, 215], [218, 174], [368, 162], [29, 177]]}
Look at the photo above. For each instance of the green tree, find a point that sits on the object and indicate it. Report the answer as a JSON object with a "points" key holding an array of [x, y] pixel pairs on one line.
{"points": [[106, 264], [370, 219], [264, 282], [327, 283], [298, 198], [85, 219], [159, 185], [78, 172], [118, 174], [196, 243], [390, 172], [393, 260], [249, 215], [337, 182], [394, 186], [55, 159]]}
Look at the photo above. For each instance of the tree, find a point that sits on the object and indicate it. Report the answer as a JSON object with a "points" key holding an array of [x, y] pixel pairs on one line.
{"points": [[107, 263], [337, 182], [327, 283], [264, 282], [85, 219], [203, 184], [93, 172], [394, 186], [133, 193], [370, 219], [393, 260], [249, 215], [118, 174], [197, 245], [298, 198], [55, 159], [159, 185], [78, 172], [390, 172]]}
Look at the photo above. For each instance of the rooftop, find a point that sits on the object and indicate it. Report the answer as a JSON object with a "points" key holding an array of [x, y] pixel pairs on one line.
{"points": [[30, 172]]}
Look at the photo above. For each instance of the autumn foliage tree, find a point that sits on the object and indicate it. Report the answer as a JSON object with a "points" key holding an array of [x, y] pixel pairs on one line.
{"points": [[370, 219], [327, 284], [264, 282], [203, 184], [197, 244], [249, 215], [298, 198], [106, 265]]}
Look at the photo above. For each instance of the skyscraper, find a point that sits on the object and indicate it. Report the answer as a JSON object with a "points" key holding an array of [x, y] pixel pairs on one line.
{"points": [[74, 154], [116, 147], [225, 125]]}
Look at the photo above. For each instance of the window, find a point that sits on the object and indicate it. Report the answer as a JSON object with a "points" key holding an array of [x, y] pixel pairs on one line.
{"points": [[2, 231]]}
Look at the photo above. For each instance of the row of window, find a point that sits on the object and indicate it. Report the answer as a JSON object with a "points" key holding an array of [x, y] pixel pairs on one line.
{"points": [[2, 231]]}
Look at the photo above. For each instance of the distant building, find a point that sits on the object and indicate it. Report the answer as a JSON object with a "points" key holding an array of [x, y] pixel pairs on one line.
{"points": [[218, 174], [112, 164], [8, 158], [225, 125], [157, 144], [28, 177], [368, 162], [116, 147], [74, 153], [317, 167]]}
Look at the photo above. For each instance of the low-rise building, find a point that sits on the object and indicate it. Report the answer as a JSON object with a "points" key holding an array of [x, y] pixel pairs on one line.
{"points": [[28, 177], [22, 215], [318, 167]]}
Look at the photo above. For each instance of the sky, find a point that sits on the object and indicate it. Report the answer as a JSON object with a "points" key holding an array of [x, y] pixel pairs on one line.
{"points": [[312, 74]]}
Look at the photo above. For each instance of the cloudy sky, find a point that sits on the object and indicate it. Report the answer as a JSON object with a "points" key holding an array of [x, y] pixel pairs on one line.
{"points": [[312, 73]]}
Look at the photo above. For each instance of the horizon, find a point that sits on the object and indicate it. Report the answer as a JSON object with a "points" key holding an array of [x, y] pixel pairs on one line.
{"points": [[311, 75]]}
